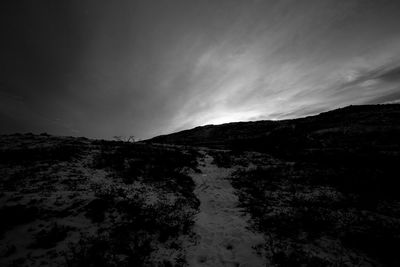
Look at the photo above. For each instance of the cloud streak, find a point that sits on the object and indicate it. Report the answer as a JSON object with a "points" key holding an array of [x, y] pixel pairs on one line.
{"points": [[150, 67]]}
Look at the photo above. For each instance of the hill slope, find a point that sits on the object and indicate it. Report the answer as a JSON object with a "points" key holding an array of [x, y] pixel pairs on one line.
{"points": [[323, 190], [349, 127]]}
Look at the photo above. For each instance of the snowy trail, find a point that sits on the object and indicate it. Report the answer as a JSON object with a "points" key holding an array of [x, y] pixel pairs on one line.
{"points": [[224, 239]]}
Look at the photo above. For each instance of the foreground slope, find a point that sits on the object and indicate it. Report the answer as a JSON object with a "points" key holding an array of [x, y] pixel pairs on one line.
{"points": [[77, 202]]}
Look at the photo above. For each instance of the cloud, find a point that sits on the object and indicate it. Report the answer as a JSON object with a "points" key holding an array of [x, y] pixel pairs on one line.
{"points": [[145, 68]]}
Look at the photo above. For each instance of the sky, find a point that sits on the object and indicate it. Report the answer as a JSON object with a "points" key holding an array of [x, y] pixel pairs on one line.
{"points": [[105, 68]]}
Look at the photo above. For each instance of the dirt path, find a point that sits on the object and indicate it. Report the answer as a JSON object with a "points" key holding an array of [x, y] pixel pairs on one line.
{"points": [[224, 239]]}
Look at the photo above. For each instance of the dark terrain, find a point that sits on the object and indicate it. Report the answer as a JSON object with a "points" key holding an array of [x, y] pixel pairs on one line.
{"points": [[367, 127], [77, 202], [322, 191]]}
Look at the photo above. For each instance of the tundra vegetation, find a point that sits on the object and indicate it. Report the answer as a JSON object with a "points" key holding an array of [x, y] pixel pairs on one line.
{"points": [[321, 190], [81, 202]]}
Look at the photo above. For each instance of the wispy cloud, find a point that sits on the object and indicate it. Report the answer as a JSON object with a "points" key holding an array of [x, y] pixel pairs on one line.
{"points": [[146, 68]]}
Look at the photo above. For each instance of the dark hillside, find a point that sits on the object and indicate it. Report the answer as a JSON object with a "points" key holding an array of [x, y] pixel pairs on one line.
{"points": [[323, 190], [366, 127]]}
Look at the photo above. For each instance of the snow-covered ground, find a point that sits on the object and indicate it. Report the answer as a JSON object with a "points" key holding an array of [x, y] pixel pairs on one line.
{"points": [[68, 201], [72, 211], [222, 228]]}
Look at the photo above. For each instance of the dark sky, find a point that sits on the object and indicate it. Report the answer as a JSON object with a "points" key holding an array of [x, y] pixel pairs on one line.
{"points": [[105, 68]]}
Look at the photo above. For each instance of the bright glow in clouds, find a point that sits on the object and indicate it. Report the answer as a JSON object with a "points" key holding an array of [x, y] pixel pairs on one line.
{"points": [[145, 68], [278, 75], [250, 86]]}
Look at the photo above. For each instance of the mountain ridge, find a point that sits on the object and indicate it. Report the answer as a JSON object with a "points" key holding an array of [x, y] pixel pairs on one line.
{"points": [[265, 135]]}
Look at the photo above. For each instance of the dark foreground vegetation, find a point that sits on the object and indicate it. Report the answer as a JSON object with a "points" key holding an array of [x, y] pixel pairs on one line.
{"points": [[316, 214], [76, 202], [323, 189]]}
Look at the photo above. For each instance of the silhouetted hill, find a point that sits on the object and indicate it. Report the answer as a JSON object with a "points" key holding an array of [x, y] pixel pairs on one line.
{"points": [[352, 127]]}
